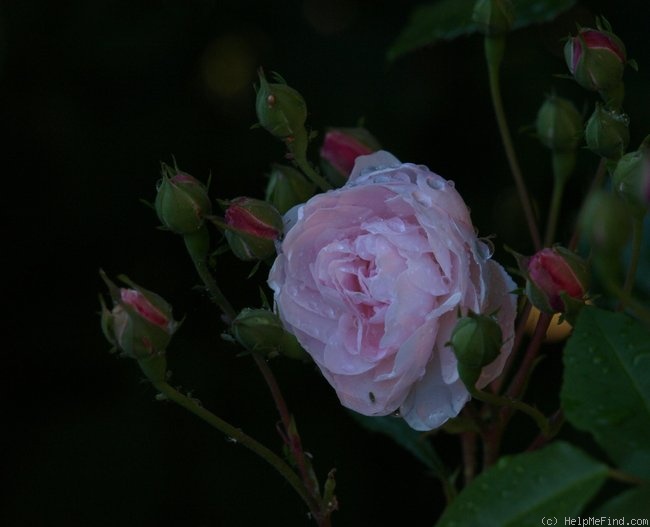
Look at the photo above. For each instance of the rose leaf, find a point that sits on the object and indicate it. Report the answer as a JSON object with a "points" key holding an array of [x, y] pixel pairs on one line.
{"points": [[606, 387], [449, 19], [519, 490]]}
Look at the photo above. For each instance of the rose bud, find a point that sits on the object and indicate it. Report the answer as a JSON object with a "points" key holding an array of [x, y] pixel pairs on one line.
{"points": [[182, 201], [287, 187], [140, 323], [559, 124], [493, 17], [260, 331], [340, 149], [553, 273], [596, 59], [476, 341], [630, 177], [607, 133], [370, 278], [606, 222], [281, 110], [252, 226]]}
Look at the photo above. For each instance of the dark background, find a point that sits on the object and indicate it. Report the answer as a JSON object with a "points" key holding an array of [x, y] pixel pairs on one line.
{"points": [[93, 95]]}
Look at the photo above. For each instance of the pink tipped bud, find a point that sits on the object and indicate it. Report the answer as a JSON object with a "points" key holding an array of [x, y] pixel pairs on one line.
{"points": [[144, 307], [340, 149], [553, 273], [140, 324], [631, 178], [182, 201], [253, 226], [596, 59]]}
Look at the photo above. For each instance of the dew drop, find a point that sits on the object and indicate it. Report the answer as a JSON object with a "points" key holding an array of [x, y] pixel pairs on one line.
{"points": [[422, 198], [639, 358], [485, 248], [434, 183]]}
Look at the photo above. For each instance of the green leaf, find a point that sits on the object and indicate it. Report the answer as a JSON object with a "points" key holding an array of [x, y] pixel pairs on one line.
{"points": [[442, 20], [449, 19], [521, 490], [606, 388], [529, 12], [633, 503], [400, 432]]}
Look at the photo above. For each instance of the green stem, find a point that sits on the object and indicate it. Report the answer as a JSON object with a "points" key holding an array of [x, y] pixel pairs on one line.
{"points": [[596, 183], [516, 388], [556, 202], [494, 48], [468, 446], [309, 171], [624, 477], [497, 385], [197, 245], [563, 165], [515, 404], [626, 300], [637, 230], [236, 435], [556, 421]]}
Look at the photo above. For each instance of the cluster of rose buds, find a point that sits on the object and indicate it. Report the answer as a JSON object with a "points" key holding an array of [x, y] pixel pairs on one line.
{"points": [[596, 59]]}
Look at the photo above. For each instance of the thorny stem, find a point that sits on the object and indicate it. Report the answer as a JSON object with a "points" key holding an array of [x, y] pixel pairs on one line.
{"points": [[236, 435], [494, 47], [309, 488], [292, 437]]}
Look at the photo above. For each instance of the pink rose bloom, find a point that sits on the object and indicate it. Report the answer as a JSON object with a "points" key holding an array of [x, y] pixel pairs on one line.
{"points": [[370, 279]]}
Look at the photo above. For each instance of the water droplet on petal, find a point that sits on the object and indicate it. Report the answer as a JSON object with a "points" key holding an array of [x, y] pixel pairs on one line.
{"points": [[422, 198], [485, 248], [435, 183]]}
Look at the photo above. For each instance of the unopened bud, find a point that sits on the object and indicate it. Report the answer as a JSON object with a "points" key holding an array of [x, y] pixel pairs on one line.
{"points": [[559, 124], [607, 133], [253, 226], [182, 201], [554, 274], [140, 323], [606, 222], [493, 17], [476, 341], [261, 331], [340, 149], [631, 177], [287, 187], [281, 110], [596, 59]]}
